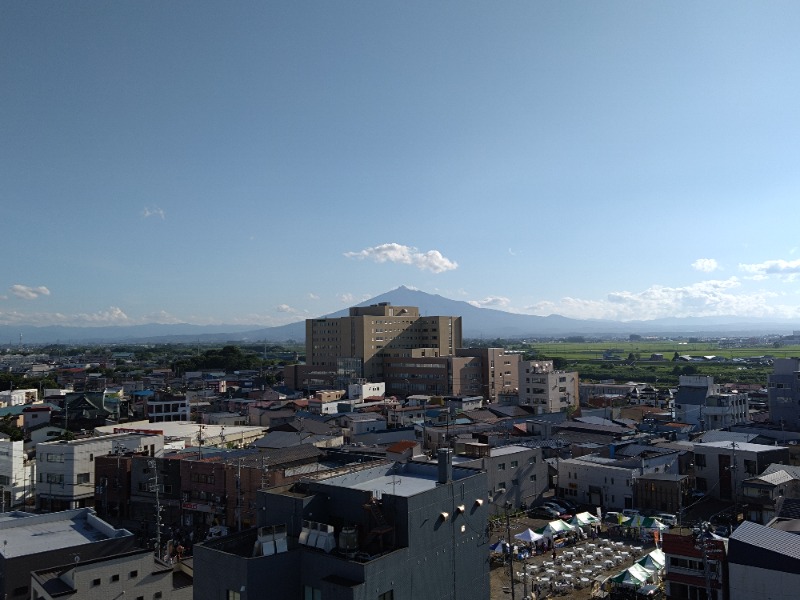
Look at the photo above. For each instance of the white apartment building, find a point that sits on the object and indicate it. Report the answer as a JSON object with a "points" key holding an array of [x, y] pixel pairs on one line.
{"points": [[19, 397], [16, 474], [364, 389], [546, 389], [599, 481], [65, 469]]}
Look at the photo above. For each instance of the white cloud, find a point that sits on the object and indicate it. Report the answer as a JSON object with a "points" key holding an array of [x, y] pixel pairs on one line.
{"points": [[111, 316], [29, 293], [154, 211], [285, 308], [346, 298], [491, 301], [706, 265], [783, 269], [703, 299], [432, 260], [312, 296], [162, 317]]}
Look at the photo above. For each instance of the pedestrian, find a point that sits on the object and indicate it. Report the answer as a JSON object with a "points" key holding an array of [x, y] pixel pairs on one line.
{"points": [[554, 554]]}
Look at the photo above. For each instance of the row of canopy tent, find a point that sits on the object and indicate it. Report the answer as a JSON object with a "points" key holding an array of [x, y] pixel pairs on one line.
{"points": [[643, 523], [555, 528], [645, 570]]}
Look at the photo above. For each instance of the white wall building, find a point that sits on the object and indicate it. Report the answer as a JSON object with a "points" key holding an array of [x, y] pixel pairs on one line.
{"points": [[598, 481], [545, 389], [65, 469], [16, 474], [19, 397], [364, 389]]}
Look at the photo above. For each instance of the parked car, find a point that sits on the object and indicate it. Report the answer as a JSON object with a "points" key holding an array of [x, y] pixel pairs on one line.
{"points": [[667, 519], [569, 506], [543, 512], [722, 530], [562, 512], [630, 513]]}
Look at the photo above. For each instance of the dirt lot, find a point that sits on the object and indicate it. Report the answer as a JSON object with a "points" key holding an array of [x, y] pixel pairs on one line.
{"points": [[500, 580]]}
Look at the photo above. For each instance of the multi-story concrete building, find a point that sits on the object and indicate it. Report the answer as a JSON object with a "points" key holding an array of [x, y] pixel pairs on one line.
{"points": [[137, 575], [500, 370], [695, 565], [20, 396], [516, 474], [700, 402], [166, 406], [16, 474], [546, 389], [721, 467], [424, 371], [66, 471], [608, 482], [379, 531], [783, 392], [355, 345]]}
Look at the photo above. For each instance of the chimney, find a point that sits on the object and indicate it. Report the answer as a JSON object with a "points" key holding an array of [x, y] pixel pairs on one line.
{"points": [[445, 465]]}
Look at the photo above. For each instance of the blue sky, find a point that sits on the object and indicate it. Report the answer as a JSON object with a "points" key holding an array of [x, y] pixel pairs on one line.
{"points": [[263, 162]]}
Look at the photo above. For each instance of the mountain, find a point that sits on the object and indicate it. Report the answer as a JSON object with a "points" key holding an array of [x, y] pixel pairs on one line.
{"points": [[477, 322]]}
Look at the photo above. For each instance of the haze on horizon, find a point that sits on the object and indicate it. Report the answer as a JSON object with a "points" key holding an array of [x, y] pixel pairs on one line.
{"points": [[261, 163]]}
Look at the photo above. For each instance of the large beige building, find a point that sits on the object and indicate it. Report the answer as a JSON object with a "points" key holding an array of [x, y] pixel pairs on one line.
{"points": [[500, 370], [546, 389], [355, 346]]}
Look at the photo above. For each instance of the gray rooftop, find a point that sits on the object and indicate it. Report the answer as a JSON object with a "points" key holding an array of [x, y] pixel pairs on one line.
{"points": [[763, 539], [742, 446], [398, 480], [33, 534]]}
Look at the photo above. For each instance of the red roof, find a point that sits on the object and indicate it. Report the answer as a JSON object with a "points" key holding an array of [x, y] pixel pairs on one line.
{"points": [[399, 447]]}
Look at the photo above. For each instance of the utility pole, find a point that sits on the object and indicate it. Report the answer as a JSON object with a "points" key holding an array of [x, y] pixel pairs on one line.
{"points": [[510, 549], [153, 465]]}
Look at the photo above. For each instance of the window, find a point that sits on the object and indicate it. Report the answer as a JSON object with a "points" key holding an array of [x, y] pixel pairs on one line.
{"points": [[501, 466], [91, 458], [700, 460], [533, 477], [95, 582], [236, 595], [55, 457], [309, 593], [54, 478], [83, 478], [501, 487], [386, 595], [514, 464], [156, 595], [133, 574], [115, 578], [701, 484]]}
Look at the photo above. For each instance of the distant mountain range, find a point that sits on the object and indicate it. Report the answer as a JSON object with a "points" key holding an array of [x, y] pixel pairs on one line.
{"points": [[477, 322]]}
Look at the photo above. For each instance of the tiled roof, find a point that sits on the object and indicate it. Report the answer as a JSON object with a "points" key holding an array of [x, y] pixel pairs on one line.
{"points": [[776, 478], [790, 469]]}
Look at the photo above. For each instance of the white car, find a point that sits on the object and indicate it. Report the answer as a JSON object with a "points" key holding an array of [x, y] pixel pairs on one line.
{"points": [[667, 519]]}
